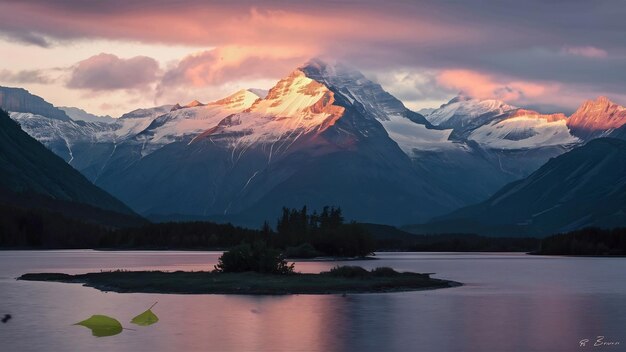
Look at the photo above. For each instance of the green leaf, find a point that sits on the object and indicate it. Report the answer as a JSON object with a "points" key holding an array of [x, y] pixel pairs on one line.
{"points": [[102, 325], [146, 318]]}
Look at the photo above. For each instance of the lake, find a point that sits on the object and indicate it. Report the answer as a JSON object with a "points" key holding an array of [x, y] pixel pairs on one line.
{"points": [[509, 302]]}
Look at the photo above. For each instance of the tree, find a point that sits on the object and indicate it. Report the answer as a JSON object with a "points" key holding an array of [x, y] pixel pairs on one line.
{"points": [[257, 257]]}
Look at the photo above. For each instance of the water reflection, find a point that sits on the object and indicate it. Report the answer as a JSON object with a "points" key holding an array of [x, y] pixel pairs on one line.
{"points": [[510, 303]]}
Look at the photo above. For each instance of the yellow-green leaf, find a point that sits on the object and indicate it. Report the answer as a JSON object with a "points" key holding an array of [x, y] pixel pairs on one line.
{"points": [[146, 318], [102, 325]]}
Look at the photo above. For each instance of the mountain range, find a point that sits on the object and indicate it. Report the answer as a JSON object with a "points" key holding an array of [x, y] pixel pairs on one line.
{"points": [[324, 134]]}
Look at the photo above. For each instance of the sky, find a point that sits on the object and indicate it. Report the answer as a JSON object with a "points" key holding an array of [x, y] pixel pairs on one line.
{"points": [[110, 57]]}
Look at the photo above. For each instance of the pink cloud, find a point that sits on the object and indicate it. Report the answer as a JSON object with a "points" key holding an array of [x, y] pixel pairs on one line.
{"points": [[228, 67], [220, 65], [484, 86], [330, 29], [109, 72], [585, 51]]}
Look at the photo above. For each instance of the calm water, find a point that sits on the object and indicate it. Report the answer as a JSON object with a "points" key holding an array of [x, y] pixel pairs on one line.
{"points": [[510, 302]]}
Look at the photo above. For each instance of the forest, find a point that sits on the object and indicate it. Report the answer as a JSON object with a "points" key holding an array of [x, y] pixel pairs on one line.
{"points": [[298, 233], [588, 241]]}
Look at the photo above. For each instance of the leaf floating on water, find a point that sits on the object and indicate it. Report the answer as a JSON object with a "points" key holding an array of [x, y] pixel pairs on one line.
{"points": [[146, 318], [102, 325]]}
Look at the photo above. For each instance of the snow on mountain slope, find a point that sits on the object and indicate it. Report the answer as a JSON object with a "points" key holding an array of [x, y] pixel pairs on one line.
{"points": [[525, 129], [410, 130], [150, 128], [355, 87], [296, 105], [60, 136], [42, 127], [132, 123], [462, 111], [411, 136], [193, 119]]}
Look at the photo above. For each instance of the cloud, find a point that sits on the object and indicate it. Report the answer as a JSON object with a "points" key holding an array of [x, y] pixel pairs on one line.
{"points": [[519, 45], [105, 72], [25, 37], [220, 65], [415, 88], [197, 22], [585, 51], [26, 76], [224, 65], [484, 86]]}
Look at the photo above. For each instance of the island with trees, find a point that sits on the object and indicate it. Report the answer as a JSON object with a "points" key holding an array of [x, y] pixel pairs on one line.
{"points": [[252, 268]]}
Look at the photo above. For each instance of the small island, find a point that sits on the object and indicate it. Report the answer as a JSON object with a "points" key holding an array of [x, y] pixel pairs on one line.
{"points": [[251, 268], [339, 280], [345, 279]]}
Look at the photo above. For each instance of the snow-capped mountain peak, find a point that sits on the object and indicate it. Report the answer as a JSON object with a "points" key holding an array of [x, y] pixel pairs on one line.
{"points": [[597, 118], [410, 130], [241, 99], [524, 129], [193, 104], [355, 87], [297, 94], [296, 105], [463, 110]]}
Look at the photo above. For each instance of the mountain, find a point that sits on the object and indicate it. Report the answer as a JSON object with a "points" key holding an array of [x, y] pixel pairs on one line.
{"points": [[323, 135], [31, 176], [619, 133], [493, 124], [583, 187], [245, 156], [410, 130], [497, 143], [68, 138], [596, 118], [462, 168], [464, 113], [497, 125], [20, 100], [304, 143], [77, 114], [524, 129]]}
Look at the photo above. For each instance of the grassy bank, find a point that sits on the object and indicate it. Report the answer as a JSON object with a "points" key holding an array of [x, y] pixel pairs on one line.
{"points": [[339, 280]]}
